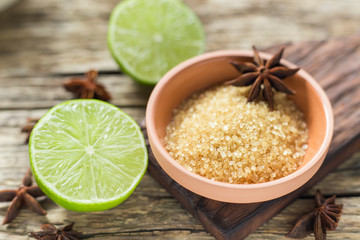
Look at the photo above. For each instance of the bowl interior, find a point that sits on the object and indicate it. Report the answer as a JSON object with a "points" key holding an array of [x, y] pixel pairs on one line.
{"points": [[207, 72]]}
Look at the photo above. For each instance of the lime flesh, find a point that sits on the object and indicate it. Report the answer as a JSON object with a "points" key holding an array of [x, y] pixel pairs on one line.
{"points": [[87, 155], [149, 37]]}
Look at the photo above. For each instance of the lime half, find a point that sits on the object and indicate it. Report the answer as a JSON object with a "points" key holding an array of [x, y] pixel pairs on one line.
{"points": [[149, 37], [87, 155]]}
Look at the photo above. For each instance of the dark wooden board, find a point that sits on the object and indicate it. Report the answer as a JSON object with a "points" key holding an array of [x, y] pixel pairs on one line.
{"points": [[336, 66]]}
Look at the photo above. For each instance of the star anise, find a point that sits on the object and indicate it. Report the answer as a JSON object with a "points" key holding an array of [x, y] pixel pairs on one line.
{"points": [[269, 74], [87, 88], [50, 232], [324, 218], [24, 195], [28, 127]]}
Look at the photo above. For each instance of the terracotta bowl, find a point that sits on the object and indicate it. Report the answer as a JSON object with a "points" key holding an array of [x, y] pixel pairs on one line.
{"points": [[208, 69]]}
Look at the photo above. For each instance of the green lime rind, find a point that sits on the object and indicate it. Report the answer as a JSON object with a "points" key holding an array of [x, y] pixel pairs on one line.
{"points": [[149, 37], [116, 171]]}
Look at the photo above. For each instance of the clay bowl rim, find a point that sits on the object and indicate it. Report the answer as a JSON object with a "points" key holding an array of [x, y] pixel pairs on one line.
{"points": [[167, 79]]}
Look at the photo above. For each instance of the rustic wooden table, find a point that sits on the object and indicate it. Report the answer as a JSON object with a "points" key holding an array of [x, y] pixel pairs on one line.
{"points": [[42, 43]]}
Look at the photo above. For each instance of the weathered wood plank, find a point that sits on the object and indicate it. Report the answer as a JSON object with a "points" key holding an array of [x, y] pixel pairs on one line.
{"points": [[119, 223], [45, 92], [130, 220], [344, 181], [277, 227], [60, 31]]}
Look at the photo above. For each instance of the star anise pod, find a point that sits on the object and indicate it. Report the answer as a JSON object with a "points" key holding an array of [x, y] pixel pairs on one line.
{"points": [[325, 217], [50, 232], [269, 74], [28, 127], [24, 195], [87, 88]]}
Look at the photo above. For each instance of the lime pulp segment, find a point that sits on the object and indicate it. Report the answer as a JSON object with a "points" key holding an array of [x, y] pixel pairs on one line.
{"points": [[149, 37], [87, 155]]}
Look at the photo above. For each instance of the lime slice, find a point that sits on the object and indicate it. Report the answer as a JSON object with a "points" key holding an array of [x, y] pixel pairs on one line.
{"points": [[87, 155], [149, 37]]}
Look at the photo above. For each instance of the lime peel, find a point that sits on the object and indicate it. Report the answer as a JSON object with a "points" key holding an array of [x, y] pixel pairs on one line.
{"points": [[87, 155], [149, 37]]}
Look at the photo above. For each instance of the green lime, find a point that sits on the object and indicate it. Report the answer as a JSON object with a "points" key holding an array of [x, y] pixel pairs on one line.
{"points": [[87, 155], [149, 37]]}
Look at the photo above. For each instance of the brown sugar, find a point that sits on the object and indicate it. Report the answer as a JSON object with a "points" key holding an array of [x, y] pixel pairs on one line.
{"points": [[216, 134]]}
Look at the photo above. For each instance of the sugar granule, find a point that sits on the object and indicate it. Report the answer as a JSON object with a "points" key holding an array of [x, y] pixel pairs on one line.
{"points": [[216, 134]]}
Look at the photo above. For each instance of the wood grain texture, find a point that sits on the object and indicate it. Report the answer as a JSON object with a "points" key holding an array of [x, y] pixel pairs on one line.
{"points": [[20, 93], [71, 35], [42, 43]]}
